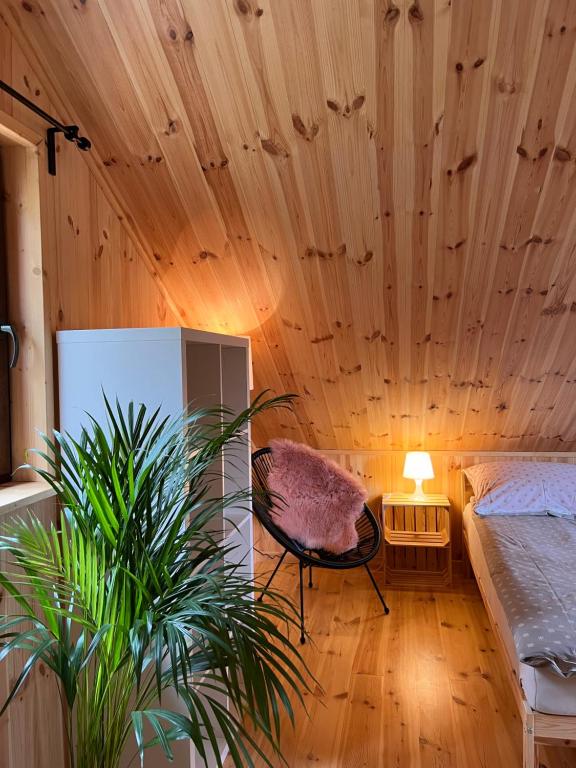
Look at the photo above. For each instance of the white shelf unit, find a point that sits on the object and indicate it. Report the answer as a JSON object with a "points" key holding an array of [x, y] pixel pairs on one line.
{"points": [[166, 368]]}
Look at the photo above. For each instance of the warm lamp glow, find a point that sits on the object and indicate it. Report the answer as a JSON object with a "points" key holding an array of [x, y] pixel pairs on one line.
{"points": [[418, 467]]}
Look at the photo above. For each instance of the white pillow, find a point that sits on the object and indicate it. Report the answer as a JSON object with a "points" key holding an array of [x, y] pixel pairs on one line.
{"points": [[523, 488]]}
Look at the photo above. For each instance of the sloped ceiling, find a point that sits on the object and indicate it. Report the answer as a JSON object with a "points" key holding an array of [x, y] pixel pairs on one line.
{"points": [[382, 194]]}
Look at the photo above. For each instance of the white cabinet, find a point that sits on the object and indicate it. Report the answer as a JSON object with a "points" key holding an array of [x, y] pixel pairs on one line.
{"points": [[168, 368]]}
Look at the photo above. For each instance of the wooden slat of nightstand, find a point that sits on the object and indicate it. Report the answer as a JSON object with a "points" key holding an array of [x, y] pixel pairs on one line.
{"points": [[407, 500], [413, 579], [409, 538]]}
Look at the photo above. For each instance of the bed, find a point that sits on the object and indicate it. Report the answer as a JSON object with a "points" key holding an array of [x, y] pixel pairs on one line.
{"points": [[533, 612]]}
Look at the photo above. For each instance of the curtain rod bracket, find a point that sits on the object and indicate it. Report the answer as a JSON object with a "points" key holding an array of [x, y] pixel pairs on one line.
{"points": [[70, 132]]}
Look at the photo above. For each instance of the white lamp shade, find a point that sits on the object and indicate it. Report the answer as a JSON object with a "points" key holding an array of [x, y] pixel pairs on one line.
{"points": [[418, 466]]}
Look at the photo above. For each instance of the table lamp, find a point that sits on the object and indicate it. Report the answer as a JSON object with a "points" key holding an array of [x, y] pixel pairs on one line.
{"points": [[418, 467]]}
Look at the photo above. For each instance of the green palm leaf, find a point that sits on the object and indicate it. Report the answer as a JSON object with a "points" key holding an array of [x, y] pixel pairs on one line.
{"points": [[133, 594]]}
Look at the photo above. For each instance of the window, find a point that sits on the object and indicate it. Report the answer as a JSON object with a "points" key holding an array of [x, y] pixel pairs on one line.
{"points": [[26, 392], [23, 390]]}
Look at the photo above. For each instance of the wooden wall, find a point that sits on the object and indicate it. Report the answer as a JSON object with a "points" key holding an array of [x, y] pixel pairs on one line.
{"points": [[381, 472], [32, 729], [381, 192], [95, 275]]}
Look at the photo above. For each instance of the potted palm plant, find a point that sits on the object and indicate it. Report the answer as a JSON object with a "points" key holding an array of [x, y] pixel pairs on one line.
{"points": [[131, 598]]}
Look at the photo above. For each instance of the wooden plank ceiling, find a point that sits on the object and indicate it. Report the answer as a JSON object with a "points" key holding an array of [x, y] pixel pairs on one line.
{"points": [[380, 192]]}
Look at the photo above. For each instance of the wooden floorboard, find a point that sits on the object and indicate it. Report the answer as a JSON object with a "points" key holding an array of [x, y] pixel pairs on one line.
{"points": [[423, 687]]}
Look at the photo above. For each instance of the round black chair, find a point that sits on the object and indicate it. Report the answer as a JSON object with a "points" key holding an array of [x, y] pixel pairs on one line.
{"points": [[369, 537]]}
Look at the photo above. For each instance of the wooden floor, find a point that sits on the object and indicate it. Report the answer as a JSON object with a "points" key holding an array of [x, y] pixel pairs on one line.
{"points": [[422, 687]]}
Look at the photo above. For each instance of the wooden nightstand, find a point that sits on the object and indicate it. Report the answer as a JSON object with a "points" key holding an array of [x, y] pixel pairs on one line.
{"points": [[417, 548]]}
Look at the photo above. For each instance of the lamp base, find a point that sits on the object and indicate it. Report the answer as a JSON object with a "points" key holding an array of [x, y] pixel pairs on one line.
{"points": [[418, 492]]}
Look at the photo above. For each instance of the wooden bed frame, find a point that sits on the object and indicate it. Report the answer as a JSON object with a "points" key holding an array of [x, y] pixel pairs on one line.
{"points": [[537, 728]]}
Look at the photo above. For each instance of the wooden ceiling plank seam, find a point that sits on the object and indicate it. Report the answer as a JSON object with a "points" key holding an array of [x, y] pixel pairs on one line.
{"points": [[283, 334], [438, 387], [544, 345], [502, 274], [552, 48], [392, 216], [403, 181], [554, 225], [219, 178], [235, 278], [240, 225], [377, 388], [310, 378], [553, 307], [427, 142], [441, 42], [273, 176], [262, 71], [179, 46], [311, 155], [422, 32], [287, 177], [459, 178], [557, 359], [229, 271], [451, 417], [464, 348], [490, 220], [561, 421], [286, 383], [343, 277], [139, 46], [386, 17], [355, 194], [179, 51], [309, 144], [511, 83]]}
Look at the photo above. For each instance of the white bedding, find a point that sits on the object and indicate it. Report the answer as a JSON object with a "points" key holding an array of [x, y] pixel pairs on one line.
{"points": [[523, 488], [545, 691]]}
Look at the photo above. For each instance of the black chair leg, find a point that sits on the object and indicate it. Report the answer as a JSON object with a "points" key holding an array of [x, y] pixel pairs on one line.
{"points": [[310, 585], [373, 580], [274, 572], [302, 637]]}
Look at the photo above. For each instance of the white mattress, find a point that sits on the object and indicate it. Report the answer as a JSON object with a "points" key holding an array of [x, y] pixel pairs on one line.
{"points": [[544, 690]]}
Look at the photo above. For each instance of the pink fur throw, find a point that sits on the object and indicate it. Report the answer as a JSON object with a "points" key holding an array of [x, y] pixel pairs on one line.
{"points": [[320, 501]]}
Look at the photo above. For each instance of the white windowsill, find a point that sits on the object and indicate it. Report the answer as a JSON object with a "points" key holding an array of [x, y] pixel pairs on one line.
{"points": [[14, 496]]}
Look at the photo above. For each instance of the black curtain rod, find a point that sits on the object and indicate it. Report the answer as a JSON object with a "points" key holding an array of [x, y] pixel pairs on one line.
{"points": [[70, 131]]}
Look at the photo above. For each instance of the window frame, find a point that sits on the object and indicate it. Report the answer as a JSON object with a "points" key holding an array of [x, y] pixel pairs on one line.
{"points": [[30, 240], [5, 408]]}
